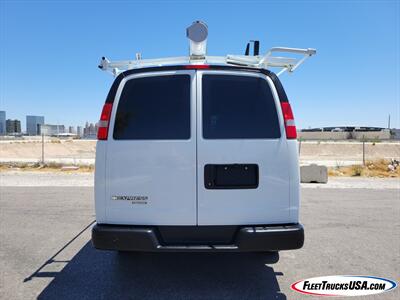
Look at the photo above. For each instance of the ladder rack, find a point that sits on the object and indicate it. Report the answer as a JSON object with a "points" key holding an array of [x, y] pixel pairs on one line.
{"points": [[285, 63]]}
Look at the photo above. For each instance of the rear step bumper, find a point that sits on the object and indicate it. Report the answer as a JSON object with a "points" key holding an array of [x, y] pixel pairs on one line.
{"points": [[245, 238]]}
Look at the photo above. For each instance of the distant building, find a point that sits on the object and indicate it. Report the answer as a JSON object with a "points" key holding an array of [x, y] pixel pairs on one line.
{"points": [[2, 122], [344, 129], [71, 129], [33, 124], [13, 126], [79, 131], [86, 129], [90, 130], [48, 129], [395, 133]]}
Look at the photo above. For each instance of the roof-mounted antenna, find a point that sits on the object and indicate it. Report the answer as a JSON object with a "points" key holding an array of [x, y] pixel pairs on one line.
{"points": [[256, 48]]}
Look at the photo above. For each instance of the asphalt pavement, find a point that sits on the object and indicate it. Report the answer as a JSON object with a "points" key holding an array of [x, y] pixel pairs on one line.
{"points": [[45, 250]]}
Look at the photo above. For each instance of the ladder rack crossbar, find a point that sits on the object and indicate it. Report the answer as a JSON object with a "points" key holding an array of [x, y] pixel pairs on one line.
{"points": [[266, 61]]}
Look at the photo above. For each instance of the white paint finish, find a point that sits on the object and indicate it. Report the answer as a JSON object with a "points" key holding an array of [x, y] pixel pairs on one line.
{"points": [[100, 181], [165, 172], [269, 203], [286, 63], [294, 173], [162, 170]]}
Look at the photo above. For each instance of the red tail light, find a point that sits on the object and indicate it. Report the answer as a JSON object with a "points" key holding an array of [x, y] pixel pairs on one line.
{"points": [[104, 122], [288, 118]]}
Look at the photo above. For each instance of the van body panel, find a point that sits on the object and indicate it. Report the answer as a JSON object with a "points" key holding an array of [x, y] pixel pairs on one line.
{"points": [[294, 172], [160, 182], [100, 181], [156, 178], [266, 204]]}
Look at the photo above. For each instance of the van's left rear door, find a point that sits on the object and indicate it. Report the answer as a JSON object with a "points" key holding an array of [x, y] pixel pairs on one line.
{"points": [[151, 151]]}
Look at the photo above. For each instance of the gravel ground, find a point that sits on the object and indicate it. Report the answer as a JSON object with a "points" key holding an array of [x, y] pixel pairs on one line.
{"points": [[40, 178]]}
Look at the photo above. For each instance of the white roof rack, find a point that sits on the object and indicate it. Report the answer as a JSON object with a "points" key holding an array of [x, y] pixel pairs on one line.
{"points": [[269, 61], [259, 62], [197, 34]]}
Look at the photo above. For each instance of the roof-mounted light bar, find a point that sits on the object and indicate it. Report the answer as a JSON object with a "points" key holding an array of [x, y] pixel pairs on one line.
{"points": [[197, 34]]}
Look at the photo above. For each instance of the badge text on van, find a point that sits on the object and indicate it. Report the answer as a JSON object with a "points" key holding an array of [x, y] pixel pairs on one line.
{"points": [[134, 199]]}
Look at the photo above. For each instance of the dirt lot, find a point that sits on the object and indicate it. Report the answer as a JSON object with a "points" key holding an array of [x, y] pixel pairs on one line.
{"points": [[59, 151], [83, 151]]}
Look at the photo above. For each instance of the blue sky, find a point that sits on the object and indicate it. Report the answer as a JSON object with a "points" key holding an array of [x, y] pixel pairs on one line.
{"points": [[50, 50]]}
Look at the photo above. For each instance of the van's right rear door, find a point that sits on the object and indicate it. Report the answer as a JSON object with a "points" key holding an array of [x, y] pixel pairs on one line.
{"points": [[242, 154]]}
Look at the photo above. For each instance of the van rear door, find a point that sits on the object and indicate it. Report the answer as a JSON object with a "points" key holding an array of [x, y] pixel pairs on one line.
{"points": [[243, 174], [151, 155]]}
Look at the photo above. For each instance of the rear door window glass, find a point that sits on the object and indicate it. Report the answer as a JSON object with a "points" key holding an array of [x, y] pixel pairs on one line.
{"points": [[238, 107], [154, 108]]}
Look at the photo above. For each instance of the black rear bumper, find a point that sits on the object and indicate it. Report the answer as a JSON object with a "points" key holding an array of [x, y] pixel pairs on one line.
{"points": [[198, 238]]}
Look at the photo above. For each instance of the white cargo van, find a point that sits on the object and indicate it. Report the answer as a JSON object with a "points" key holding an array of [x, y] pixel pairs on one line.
{"points": [[198, 153]]}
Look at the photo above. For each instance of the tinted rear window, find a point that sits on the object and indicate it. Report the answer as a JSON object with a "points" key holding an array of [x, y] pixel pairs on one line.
{"points": [[154, 108], [237, 107]]}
